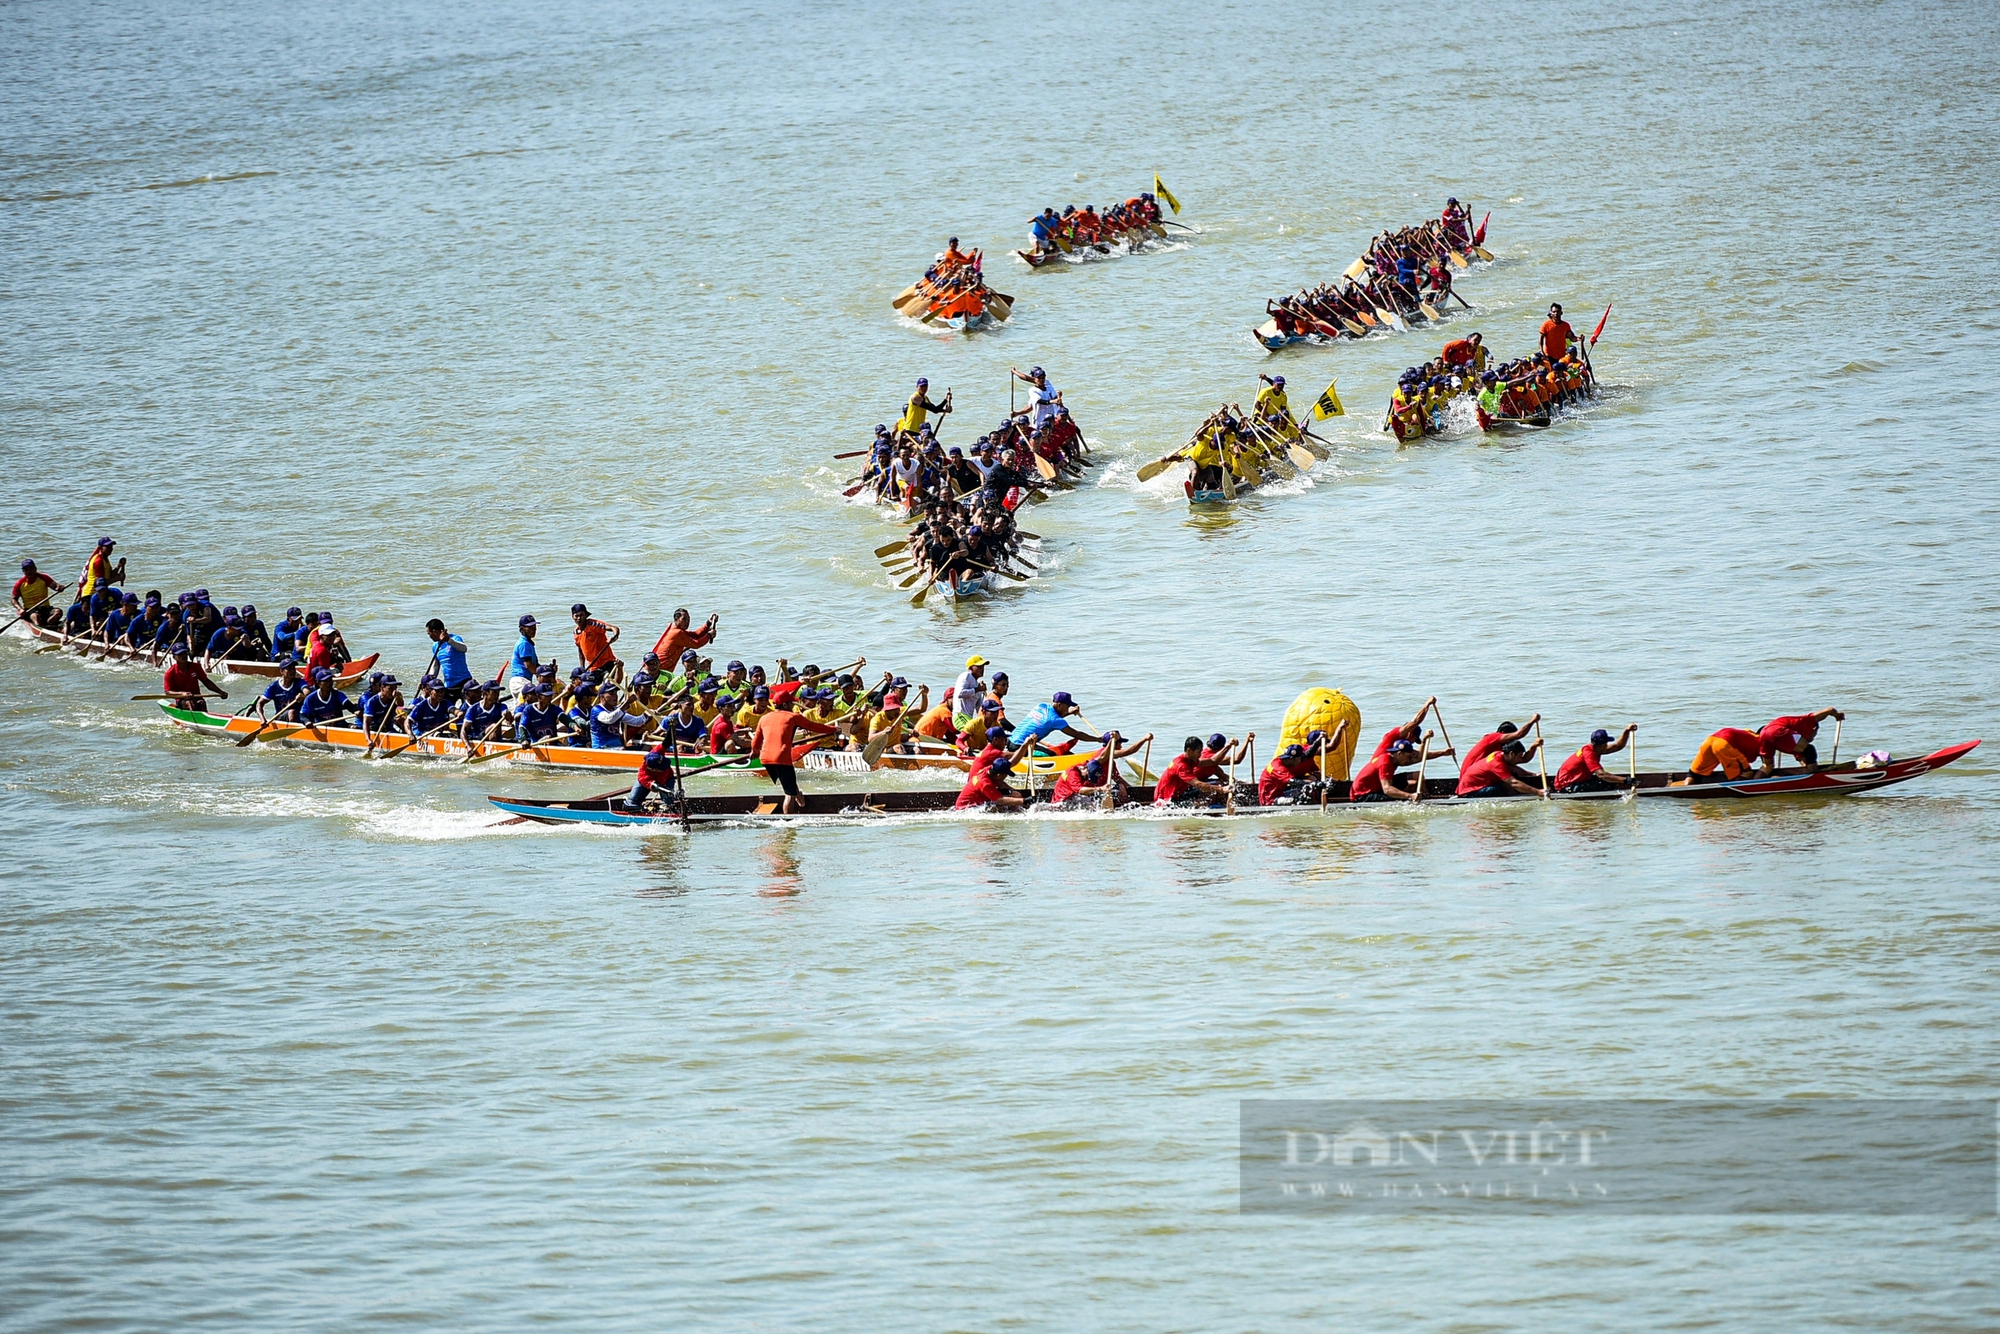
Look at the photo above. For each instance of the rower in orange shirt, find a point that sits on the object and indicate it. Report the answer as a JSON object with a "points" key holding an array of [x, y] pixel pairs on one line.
{"points": [[1730, 749], [594, 639], [677, 638], [772, 743], [1556, 334]]}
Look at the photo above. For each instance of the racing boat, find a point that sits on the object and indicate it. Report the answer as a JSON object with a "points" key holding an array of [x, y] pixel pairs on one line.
{"points": [[352, 672], [679, 809], [352, 740]]}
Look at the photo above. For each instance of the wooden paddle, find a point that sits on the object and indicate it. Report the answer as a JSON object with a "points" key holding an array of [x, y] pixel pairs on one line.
{"points": [[1299, 456], [1542, 758], [425, 736], [1356, 269], [1423, 758], [893, 547]]}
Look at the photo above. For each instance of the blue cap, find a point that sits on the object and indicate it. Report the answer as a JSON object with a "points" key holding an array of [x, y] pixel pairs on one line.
{"points": [[1600, 737], [736, 664], [322, 674], [577, 608], [1061, 697], [1216, 741], [527, 621]]}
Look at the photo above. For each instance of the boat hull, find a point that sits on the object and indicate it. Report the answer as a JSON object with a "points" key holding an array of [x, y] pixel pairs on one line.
{"points": [[352, 672], [1841, 780]]}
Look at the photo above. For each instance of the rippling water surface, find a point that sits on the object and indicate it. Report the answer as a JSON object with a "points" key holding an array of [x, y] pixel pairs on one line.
{"points": [[471, 310]]}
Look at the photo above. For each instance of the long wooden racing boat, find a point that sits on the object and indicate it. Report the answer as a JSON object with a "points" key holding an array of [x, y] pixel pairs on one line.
{"points": [[1132, 240], [1846, 779], [352, 740], [352, 672]]}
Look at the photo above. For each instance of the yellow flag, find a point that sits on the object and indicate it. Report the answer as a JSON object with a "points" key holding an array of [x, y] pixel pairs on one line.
{"points": [[1328, 405], [1165, 193]]}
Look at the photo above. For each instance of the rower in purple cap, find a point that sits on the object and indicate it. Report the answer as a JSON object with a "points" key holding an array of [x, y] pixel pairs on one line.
{"points": [[521, 667], [324, 705], [1585, 772], [1045, 720], [920, 406], [100, 569]]}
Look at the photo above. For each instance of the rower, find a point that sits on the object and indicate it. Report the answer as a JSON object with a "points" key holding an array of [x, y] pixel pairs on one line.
{"points": [[522, 665], [1045, 720], [539, 717], [1377, 779], [1455, 220], [484, 718], [1498, 771], [282, 695], [1731, 750], [1585, 772], [609, 719], [98, 570], [773, 743], [220, 644], [1085, 784], [1292, 776], [953, 257], [1556, 334], [678, 640], [723, 737], [323, 704], [1045, 399], [185, 679], [432, 710], [447, 660], [143, 633], [1793, 735], [1272, 406], [1505, 735], [382, 709], [683, 728], [1045, 227], [1189, 780], [920, 407], [594, 639], [986, 788], [656, 767], [256, 645], [34, 594]]}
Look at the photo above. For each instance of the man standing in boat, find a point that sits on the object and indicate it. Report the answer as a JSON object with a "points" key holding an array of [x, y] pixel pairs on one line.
{"points": [[1042, 410], [773, 744], [920, 407], [1556, 335]]}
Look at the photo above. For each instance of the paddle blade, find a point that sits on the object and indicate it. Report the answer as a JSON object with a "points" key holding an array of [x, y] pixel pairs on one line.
{"points": [[1301, 457], [918, 577], [1228, 481], [1355, 270], [893, 547], [1460, 261], [1045, 468], [922, 593], [1158, 466], [1430, 312], [871, 754]]}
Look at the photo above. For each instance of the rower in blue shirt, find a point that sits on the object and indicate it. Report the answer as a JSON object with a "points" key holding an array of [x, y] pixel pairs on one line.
{"points": [[281, 697], [256, 646], [123, 612], [225, 641], [521, 667], [538, 716], [324, 704], [576, 718], [484, 717], [1047, 719], [448, 656], [382, 706], [431, 711], [285, 634]]}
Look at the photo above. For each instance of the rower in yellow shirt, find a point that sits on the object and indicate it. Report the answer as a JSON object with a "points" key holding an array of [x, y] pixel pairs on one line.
{"points": [[1273, 408], [920, 407]]}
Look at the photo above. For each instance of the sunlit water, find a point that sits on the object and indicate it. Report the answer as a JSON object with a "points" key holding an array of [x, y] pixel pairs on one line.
{"points": [[476, 310]]}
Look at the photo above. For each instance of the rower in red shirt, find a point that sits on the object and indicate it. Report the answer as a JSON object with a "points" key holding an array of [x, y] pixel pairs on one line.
{"points": [[1499, 772], [1584, 771], [1291, 773], [1377, 779], [1506, 736], [1084, 784], [1793, 735], [184, 681], [987, 788], [1729, 749], [677, 639], [1187, 781]]}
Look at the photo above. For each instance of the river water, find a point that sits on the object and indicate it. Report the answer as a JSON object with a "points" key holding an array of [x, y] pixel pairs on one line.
{"points": [[471, 310]]}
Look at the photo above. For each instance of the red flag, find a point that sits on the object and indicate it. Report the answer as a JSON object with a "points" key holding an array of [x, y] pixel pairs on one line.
{"points": [[1479, 237], [1600, 326]]}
